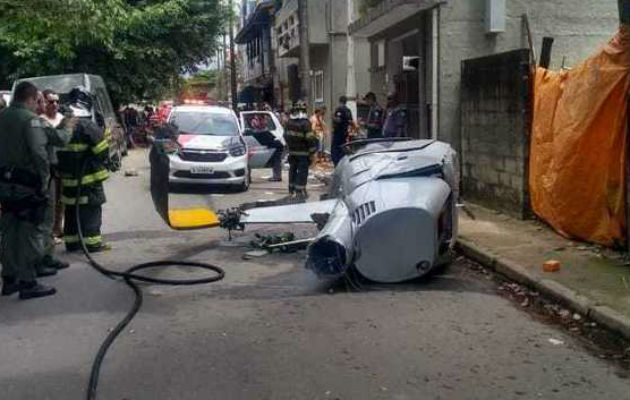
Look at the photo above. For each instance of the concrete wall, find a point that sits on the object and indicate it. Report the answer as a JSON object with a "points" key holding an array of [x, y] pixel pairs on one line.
{"points": [[579, 27], [495, 134]]}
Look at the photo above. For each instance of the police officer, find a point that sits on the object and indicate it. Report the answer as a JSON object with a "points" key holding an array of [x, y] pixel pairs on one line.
{"points": [[396, 119], [342, 119], [87, 154], [24, 182], [375, 118], [302, 144]]}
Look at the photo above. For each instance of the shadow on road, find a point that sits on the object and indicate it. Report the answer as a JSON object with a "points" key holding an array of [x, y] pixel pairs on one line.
{"points": [[179, 188]]}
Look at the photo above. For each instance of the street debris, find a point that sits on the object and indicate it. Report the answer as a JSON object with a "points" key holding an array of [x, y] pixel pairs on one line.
{"points": [[131, 172], [255, 254], [555, 342], [595, 338], [551, 266], [283, 243]]}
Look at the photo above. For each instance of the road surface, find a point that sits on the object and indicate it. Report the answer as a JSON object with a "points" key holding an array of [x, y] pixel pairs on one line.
{"points": [[271, 330]]}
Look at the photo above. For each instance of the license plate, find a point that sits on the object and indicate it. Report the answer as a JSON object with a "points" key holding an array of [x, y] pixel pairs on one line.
{"points": [[201, 169]]}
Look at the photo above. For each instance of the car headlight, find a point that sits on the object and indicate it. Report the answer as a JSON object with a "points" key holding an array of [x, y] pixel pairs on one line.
{"points": [[238, 151]]}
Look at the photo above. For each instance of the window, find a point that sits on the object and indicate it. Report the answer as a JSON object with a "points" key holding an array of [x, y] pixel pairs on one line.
{"points": [[380, 49], [318, 86]]}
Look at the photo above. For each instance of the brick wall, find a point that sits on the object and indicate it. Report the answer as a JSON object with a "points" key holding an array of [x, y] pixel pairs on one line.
{"points": [[495, 134]]}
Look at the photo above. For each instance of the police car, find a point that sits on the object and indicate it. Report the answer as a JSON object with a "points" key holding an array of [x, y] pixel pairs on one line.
{"points": [[211, 148]]}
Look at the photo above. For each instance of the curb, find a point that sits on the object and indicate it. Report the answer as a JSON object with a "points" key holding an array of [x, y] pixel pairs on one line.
{"points": [[603, 315]]}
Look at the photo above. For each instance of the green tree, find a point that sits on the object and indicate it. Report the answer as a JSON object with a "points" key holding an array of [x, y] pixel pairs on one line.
{"points": [[139, 47]]}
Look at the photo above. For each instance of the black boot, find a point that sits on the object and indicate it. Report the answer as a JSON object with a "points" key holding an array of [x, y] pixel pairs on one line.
{"points": [[33, 290], [9, 286], [51, 262], [43, 271]]}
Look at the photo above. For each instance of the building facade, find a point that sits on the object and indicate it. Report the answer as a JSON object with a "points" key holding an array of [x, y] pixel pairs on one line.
{"points": [[419, 49], [328, 50], [257, 52]]}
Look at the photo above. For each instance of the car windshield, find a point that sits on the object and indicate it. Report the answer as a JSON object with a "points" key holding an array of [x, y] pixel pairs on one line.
{"points": [[203, 123]]}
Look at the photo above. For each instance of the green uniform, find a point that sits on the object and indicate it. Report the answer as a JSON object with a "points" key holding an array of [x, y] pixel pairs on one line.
{"points": [[302, 144], [23, 151], [57, 138], [88, 150]]}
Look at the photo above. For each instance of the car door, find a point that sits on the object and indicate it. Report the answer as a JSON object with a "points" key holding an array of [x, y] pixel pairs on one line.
{"points": [[259, 154]]}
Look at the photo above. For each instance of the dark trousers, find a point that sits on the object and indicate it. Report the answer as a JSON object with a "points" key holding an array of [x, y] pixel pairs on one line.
{"points": [[20, 247], [298, 172], [336, 151], [91, 219], [374, 133], [276, 160]]}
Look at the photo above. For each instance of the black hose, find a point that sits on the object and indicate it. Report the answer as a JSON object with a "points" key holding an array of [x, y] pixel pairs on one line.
{"points": [[130, 277]]}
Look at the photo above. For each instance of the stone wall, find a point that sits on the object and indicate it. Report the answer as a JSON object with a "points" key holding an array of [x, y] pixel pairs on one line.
{"points": [[495, 131]]}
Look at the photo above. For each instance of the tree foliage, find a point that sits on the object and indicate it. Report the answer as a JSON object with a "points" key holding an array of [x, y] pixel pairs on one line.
{"points": [[140, 47]]}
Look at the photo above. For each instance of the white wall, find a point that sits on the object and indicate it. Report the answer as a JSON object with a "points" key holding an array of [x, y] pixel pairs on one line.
{"points": [[578, 26]]}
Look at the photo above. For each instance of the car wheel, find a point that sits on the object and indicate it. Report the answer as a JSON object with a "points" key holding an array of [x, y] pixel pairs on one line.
{"points": [[243, 187]]}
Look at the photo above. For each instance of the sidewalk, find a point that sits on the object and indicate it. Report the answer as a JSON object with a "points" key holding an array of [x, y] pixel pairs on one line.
{"points": [[592, 281]]}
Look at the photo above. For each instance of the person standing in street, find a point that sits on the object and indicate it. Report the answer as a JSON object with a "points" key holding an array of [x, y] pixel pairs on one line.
{"points": [[85, 158], [54, 117], [319, 128], [302, 144], [24, 180], [131, 116], [342, 120], [396, 118], [375, 117]]}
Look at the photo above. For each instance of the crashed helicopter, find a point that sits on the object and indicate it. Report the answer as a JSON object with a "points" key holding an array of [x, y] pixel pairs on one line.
{"points": [[391, 211]]}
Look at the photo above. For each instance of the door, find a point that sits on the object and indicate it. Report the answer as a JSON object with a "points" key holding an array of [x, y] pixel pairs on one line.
{"points": [[259, 132]]}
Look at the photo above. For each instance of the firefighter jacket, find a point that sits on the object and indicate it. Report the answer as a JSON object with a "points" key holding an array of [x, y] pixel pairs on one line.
{"points": [[88, 151], [300, 138]]}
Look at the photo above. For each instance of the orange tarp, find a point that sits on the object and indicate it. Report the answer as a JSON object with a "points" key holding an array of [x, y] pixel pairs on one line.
{"points": [[578, 145]]}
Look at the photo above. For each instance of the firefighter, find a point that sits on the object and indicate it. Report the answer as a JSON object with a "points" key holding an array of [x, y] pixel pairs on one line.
{"points": [[24, 181], [87, 153], [302, 144]]}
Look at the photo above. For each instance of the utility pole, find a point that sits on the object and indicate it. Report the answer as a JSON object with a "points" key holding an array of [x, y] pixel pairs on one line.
{"points": [[232, 60], [305, 56], [224, 74]]}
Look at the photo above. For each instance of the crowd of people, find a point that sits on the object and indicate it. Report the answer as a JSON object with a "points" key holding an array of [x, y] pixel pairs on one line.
{"points": [[306, 136], [49, 164]]}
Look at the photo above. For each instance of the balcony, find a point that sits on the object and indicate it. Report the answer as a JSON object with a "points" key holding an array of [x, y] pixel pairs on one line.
{"points": [[287, 27], [380, 15]]}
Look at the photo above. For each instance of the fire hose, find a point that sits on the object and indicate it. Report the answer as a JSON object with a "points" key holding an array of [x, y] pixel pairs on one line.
{"points": [[131, 277]]}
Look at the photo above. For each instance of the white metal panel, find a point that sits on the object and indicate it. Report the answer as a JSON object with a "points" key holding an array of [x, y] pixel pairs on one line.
{"points": [[292, 213]]}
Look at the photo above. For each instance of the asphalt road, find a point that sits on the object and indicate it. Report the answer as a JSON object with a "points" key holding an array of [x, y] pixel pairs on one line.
{"points": [[271, 330]]}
